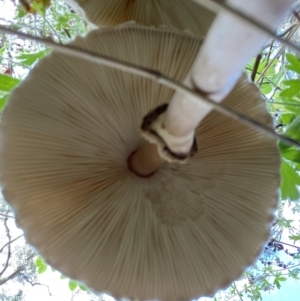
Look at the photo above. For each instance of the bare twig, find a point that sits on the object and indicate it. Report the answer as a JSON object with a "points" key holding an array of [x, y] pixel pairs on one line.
{"points": [[239, 294], [291, 33], [36, 283], [284, 243], [9, 248], [6, 215], [12, 275], [1, 250], [288, 268]]}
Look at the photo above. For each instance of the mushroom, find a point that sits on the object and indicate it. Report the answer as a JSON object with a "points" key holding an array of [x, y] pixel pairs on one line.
{"points": [[184, 231], [180, 14]]}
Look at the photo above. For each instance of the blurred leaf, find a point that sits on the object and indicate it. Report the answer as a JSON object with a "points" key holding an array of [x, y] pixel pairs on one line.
{"points": [[7, 83], [293, 130], [266, 88], [28, 59], [277, 77], [3, 48], [40, 262], [278, 278], [21, 13], [82, 287], [290, 182], [42, 269], [62, 276], [295, 237], [293, 88], [40, 6], [286, 118], [292, 155], [3, 101], [294, 63], [72, 284]]}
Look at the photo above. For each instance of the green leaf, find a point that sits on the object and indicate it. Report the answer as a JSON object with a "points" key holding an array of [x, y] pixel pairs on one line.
{"points": [[82, 287], [286, 118], [62, 276], [290, 181], [277, 77], [2, 50], [7, 83], [293, 129], [42, 269], [294, 63], [3, 101], [279, 278], [295, 237], [21, 12], [28, 59], [291, 154], [72, 284], [266, 88], [290, 91], [40, 262]]}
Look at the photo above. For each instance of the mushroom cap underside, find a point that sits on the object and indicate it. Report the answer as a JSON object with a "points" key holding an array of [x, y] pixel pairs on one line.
{"points": [[184, 232], [179, 14]]}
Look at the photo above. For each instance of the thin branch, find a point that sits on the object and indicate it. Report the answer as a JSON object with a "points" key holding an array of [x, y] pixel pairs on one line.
{"points": [[250, 282], [156, 76], [239, 294], [255, 67], [284, 243], [1, 250], [6, 215], [9, 248], [288, 268], [291, 33], [12, 275], [36, 283]]}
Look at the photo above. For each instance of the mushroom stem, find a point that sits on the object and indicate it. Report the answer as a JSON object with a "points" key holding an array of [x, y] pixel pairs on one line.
{"points": [[231, 43], [184, 113], [145, 161]]}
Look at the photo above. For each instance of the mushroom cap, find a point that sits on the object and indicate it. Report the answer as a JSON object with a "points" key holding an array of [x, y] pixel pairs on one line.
{"points": [[180, 14], [182, 233]]}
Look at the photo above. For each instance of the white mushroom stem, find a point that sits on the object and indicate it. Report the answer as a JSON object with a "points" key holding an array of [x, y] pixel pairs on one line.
{"points": [[231, 43], [229, 46]]}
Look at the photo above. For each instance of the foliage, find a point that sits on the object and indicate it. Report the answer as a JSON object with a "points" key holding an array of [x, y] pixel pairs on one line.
{"points": [[275, 70]]}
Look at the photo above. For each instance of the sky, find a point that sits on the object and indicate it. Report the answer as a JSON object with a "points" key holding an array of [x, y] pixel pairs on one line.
{"points": [[59, 288]]}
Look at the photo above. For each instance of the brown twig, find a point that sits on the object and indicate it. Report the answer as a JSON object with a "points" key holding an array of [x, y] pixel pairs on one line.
{"points": [[255, 67]]}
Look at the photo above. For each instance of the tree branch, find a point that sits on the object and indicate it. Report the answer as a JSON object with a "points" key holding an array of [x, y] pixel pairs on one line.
{"points": [[36, 283], [12, 275], [239, 294], [9, 248], [1, 250], [284, 243], [6, 215]]}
